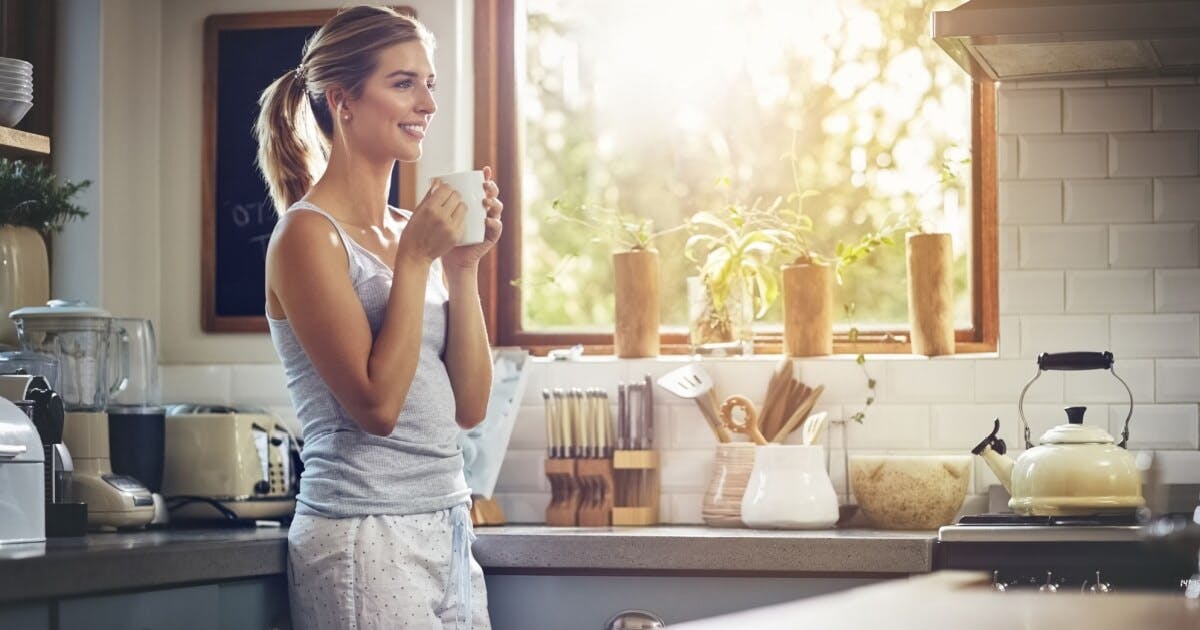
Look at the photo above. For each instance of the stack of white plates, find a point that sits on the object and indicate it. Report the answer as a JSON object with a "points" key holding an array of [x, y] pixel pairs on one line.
{"points": [[16, 90]]}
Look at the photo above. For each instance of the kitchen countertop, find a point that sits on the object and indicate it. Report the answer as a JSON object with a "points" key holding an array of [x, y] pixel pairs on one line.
{"points": [[107, 562], [964, 600]]}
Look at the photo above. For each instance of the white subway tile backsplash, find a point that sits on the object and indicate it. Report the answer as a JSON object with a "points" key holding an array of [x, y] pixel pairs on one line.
{"points": [[1100, 386], [523, 471], [892, 427], [1030, 111], [1029, 292], [964, 426], [684, 427], [984, 477], [1110, 291], [1157, 426], [538, 379], [1178, 467], [684, 509], [1177, 199], [1006, 157], [1010, 253], [529, 428], [1177, 290], [603, 372], [259, 385], [1154, 245], [1010, 336], [1167, 335], [1108, 200], [686, 471], [735, 376], [1032, 201], [1157, 154], [1063, 156], [1177, 107], [843, 379], [1064, 247], [1177, 380], [935, 380], [1063, 333], [523, 507], [196, 383], [999, 381], [1106, 109]]}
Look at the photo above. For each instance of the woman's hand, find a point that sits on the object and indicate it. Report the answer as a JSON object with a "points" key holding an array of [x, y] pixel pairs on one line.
{"points": [[435, 224], [468, 256]]}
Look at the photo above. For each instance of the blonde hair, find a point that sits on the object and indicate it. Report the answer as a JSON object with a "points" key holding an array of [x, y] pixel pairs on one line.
{"points": [[294, 126]]}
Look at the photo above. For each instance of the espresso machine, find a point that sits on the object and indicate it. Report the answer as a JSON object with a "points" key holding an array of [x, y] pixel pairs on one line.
{"points": [[79, 337]]}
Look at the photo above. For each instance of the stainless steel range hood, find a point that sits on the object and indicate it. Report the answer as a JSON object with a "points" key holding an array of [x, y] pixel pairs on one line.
{"points": [[1001, 40]]}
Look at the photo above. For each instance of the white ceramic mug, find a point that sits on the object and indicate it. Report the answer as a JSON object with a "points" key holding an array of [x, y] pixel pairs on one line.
{"points": [[789, 489], [469, 185]]}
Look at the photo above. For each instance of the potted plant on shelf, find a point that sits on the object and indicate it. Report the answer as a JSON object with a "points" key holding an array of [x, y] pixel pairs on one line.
{"points": [[635, 273], [33, 204], [736, 283]]}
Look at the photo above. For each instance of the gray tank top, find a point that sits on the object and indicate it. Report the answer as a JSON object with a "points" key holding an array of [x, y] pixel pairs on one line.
{"points": [[347, 471]]}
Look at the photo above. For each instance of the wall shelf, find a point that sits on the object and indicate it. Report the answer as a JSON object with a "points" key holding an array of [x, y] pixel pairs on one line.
{"points": [[16, 143]]}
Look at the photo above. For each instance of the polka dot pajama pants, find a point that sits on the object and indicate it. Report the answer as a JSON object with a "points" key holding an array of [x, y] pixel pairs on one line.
{"points": [[384, 572]]}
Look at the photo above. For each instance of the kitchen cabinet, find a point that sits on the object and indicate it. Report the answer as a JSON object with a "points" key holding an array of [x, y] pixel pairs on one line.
{"points": [[253, 604], [587, 602]]}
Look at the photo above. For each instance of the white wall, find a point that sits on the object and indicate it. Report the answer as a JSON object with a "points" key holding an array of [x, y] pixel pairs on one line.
{"points": [[1100, 250], [129, 118]]}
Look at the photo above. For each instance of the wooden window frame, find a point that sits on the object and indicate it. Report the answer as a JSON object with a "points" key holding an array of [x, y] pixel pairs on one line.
{"points": [[498, 143]]}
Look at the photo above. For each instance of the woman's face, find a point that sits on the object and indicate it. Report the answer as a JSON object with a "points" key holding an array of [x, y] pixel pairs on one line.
{"points": [[390, 118]]}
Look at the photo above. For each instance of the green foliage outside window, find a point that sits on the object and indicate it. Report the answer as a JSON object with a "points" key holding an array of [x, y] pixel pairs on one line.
{"points": [[641, 107]]}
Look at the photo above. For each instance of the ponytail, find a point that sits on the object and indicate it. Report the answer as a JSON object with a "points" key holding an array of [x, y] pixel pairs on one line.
{"points": [[291, 149]]}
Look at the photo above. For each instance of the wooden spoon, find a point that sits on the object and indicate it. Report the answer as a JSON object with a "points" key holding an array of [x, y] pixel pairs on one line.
{"points": [[799, 415]]}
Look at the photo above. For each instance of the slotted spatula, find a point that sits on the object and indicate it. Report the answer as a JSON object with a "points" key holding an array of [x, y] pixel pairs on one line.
{"points": [[692, 381]]}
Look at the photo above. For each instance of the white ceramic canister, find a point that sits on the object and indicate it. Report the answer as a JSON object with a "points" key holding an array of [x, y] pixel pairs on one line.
{"points": [[789, 489]]}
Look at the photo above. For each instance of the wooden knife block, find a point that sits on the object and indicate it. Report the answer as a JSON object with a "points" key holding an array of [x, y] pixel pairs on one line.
{"points": [[595, 477], [636, 477], [563, 510]]}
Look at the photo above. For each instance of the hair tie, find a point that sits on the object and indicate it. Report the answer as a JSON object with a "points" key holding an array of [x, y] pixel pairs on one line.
{"points": [[299, 72]]}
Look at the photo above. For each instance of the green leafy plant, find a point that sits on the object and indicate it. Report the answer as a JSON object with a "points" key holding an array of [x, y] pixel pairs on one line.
{"points": [[623, 231], [861, 360], [32, 196], [737, 245]]}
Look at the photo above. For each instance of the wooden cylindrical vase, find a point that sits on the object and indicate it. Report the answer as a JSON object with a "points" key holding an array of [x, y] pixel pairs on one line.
{"points": [[807, 310], [24, 275], [931, 293], [636, 284]]}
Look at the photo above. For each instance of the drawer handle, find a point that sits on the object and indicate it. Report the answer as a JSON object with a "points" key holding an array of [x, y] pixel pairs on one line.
{"points": [[635, 620]]}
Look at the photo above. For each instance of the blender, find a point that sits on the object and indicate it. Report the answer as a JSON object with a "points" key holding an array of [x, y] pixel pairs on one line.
{"points": [[136, 417], [78, 336]]}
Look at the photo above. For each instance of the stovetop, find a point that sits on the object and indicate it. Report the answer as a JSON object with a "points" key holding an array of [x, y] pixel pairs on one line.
{"points": [[1017, 528]]}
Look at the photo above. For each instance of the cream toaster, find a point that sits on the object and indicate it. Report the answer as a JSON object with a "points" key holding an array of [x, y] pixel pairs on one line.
{"points": [[225, 462]]}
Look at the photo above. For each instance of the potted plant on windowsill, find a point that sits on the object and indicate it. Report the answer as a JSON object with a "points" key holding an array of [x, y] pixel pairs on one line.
{"points": [[635, 273], [734, 251], [33, 204], [929, 266]]}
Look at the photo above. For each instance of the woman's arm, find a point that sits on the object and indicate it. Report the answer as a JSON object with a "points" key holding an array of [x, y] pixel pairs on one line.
{"points": [[468, 355], [307, 274]]}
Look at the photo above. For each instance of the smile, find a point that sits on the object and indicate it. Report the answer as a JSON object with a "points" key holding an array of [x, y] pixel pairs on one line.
{"points": [[416, 131]]}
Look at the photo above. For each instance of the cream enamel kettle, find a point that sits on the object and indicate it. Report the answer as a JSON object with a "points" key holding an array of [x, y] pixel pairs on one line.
{"points": [[1076, 469]]}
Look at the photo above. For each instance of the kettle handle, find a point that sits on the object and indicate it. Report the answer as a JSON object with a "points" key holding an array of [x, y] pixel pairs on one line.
{"points": [[1073, 361]]}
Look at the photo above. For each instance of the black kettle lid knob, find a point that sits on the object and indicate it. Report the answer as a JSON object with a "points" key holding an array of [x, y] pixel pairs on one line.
{"points": [[1075, 414]]}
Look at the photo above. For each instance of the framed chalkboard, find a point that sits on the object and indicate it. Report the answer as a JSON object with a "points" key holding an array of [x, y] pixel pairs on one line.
{"points": [[243, 54]]}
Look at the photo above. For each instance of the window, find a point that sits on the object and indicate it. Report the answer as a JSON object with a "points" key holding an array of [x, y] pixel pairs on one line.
{"points": [[664, 109]]}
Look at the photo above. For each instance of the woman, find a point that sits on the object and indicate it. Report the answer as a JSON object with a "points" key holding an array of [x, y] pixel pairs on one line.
{"points": [[375, 314]]}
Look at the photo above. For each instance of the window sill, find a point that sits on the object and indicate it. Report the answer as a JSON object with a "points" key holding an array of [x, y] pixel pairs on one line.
{"points": [[594, 354]]}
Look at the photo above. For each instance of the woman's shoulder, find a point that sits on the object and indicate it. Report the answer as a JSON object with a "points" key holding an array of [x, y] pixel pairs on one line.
{"points": [[305, 228]]}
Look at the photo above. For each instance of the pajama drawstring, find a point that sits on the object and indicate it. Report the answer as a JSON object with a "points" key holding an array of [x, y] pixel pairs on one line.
{"points": [[460, 563]]}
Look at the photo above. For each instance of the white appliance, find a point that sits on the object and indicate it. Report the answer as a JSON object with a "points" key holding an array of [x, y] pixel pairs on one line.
{"points": [[22, 478], [227, 463]]}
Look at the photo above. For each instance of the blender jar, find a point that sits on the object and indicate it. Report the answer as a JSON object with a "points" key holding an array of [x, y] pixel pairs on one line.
{"points": [[135, 353], [76, 335]]}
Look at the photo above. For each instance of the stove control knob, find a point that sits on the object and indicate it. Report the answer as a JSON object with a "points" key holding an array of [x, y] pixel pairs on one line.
{"points": [[1100, 586], [1049, 586]]}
